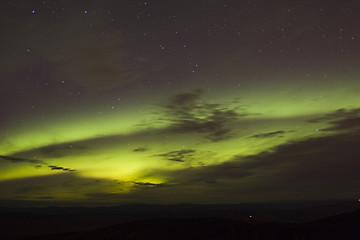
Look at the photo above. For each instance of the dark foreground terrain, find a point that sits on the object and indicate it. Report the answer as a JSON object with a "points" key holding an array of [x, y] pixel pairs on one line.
{"points": [[179, 223]]}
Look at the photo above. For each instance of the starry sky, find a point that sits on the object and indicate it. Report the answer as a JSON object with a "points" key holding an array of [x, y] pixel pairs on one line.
{"points": [[157, 101]]}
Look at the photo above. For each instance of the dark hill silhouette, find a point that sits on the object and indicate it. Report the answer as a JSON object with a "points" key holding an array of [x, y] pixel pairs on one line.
{"points": [[343, 226], [186, 220]]}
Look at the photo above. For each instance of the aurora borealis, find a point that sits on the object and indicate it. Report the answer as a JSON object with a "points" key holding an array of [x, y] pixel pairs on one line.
{"points": [[111, 102]]}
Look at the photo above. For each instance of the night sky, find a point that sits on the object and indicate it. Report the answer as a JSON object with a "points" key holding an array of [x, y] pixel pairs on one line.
{"points": [[181, 101]]}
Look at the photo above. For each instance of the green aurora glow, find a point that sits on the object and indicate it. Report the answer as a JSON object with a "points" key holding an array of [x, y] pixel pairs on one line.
{"points": [[101, 120]]}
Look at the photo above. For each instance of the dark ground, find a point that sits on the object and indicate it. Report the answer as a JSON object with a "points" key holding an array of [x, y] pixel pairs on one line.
{"points": [[172, 222]]}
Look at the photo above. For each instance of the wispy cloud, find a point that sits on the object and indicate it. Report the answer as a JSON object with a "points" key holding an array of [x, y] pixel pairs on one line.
{"points": [[187, 113], [178, 156], [268, 134], [141, 149], [18, 160], [36, 162]]}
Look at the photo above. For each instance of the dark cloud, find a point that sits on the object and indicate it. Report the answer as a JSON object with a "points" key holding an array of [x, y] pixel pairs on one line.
{"points": [[18, 160], [187, 113], [324, 167], [149, 184], [268, 134], [345, 124], [38, 163], [340, 120], [61, 168], [141, 149], [178, 156], [338, 114]]}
